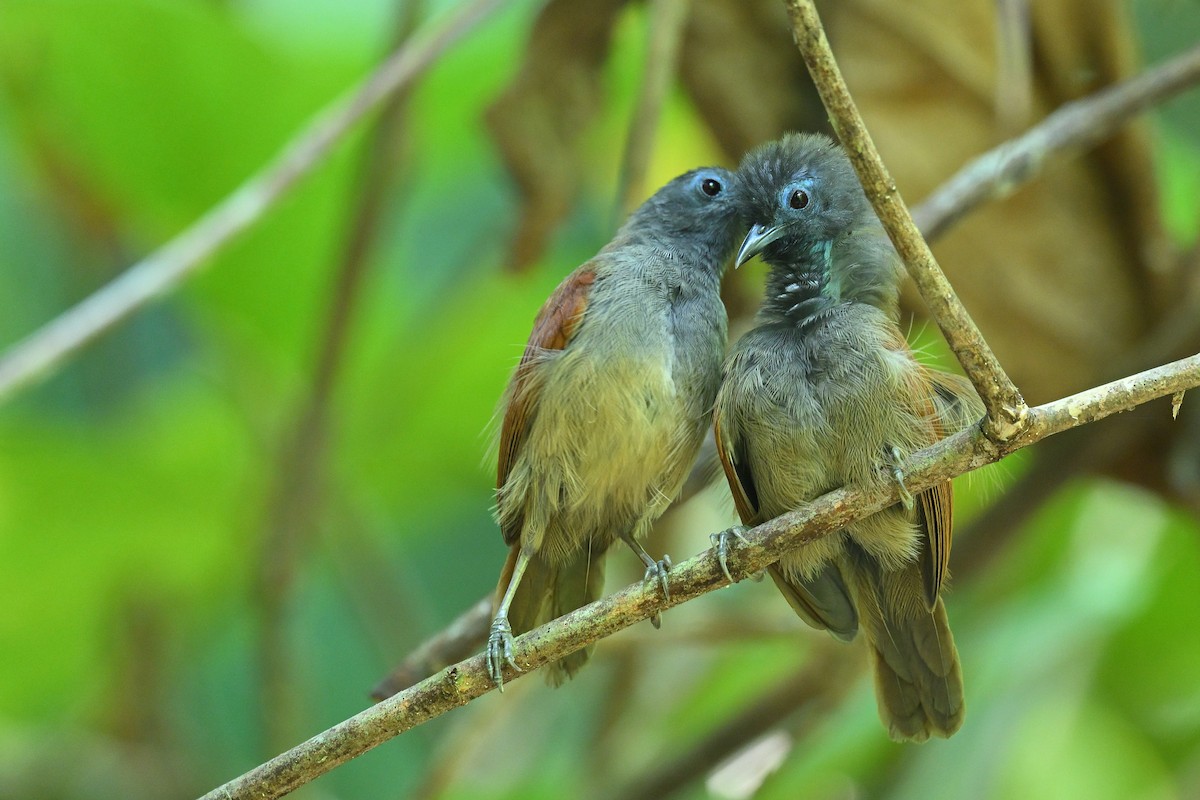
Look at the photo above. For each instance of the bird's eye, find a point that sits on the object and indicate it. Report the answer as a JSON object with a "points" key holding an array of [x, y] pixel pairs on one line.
{"points": [[711, 187], [799, 199]]}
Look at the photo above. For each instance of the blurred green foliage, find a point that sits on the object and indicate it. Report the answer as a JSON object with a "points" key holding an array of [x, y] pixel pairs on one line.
{"points": [[134, 484]]}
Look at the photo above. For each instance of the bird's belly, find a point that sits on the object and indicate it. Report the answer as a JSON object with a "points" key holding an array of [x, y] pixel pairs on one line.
{"points": [[771, 409], [789, 455], [810, 444], [609, 449], [635, 435]]}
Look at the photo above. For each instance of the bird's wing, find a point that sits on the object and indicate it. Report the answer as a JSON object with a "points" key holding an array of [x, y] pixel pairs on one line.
{"points": [[737, 473], [937, 511], [958, 406], [822, 602], [556, 325], [936, 504]]}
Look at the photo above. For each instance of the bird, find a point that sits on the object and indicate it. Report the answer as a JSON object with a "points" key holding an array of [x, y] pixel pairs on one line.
{"points": [[605, 412], [823, 392]]}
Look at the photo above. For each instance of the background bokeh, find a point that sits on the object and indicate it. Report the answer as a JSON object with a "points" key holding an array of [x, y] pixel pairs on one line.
{"points": [[223, 522]]}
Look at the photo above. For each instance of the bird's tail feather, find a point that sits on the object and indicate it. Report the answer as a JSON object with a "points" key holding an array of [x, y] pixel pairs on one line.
{"points": [[918, 680], [547, 592]]}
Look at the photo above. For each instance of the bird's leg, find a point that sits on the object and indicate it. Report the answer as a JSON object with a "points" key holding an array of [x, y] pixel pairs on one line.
{"points": [[500, 639], [655, 570], [720, 541], [898, 473]]}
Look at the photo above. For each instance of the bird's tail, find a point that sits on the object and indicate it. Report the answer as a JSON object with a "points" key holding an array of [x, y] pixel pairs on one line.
{"points": [[547, 592], [918, 681]]}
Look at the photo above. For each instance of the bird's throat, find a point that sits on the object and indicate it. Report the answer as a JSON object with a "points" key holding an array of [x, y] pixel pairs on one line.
{"points": [[797, 293]]}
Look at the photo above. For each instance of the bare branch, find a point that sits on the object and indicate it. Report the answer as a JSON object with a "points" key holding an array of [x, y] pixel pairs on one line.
{"points": [[1113, 398], [1006, 408], [459, 684], [1074, 127], [159, 272]]}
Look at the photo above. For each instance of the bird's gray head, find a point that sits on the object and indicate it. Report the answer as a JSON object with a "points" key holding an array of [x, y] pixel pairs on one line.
{"points": [[811, 221], [698, 211], [799, 193]]}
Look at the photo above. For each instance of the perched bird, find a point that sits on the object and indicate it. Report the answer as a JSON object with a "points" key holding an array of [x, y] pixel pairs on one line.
{"points": [[823, 392], [609, 405]]}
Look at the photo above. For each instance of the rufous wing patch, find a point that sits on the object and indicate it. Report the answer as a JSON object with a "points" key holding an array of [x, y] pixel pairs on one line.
{"points": [[556, 325], [936, 504], [737, 473]]}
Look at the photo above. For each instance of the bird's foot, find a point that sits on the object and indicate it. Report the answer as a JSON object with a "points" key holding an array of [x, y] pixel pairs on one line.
{"points": [[720, 542], [500, 651], [898, 473], [657, 571]]}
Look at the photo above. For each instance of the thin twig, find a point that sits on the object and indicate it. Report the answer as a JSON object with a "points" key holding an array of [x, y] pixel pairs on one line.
{"points": [[1005, 406], [459, 684], [667, 20], [1073, 127], [159, 272]]}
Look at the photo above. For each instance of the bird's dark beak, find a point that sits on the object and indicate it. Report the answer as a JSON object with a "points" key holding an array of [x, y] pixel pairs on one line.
{"points": [[758, 238]]}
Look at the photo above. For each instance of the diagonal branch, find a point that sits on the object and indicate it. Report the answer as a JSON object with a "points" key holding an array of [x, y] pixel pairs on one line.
{"points": [[1073, 127], [159, 272], [1006, 408], [459, 684]]}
